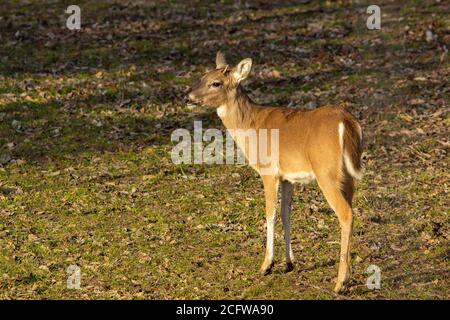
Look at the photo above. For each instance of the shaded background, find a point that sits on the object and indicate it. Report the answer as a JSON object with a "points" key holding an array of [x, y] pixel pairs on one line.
{"points": [[86, 176]]}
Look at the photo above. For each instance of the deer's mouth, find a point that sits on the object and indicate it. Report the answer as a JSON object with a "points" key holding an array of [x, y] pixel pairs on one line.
{"points": [[192, 105]]}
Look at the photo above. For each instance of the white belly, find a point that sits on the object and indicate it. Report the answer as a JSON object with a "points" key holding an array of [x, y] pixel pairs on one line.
{"points": [[299, 177]]}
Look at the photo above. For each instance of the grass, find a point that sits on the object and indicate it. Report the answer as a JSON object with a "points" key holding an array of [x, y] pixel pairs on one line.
{"points": [[86, 176]]}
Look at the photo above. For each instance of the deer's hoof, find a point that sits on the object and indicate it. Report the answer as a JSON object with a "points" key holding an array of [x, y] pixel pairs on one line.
{"points": [[266, 269], [340, 287], [289, 267]]}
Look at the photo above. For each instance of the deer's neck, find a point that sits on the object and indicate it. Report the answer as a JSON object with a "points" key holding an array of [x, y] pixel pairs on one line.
{"points": [[238, 112]]}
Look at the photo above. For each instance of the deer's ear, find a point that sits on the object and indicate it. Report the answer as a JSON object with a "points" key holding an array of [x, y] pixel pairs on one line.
{"points": [[242, 70], [220, 60]]}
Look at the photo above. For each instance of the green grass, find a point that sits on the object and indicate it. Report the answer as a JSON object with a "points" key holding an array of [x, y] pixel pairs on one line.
{"points": [[86, 176]]}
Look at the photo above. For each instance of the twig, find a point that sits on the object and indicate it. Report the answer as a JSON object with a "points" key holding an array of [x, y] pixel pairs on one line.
{"points": [[334, 294]]}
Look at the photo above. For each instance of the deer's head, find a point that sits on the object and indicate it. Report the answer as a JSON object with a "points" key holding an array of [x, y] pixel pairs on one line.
{"points": [[217, 86]]}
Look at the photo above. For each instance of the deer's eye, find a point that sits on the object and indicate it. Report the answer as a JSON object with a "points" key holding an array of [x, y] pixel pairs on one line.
{"points": [[216, 84]]}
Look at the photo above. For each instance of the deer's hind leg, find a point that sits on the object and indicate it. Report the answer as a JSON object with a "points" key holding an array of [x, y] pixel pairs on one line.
{"points": [[338, 190], [286, 208]]}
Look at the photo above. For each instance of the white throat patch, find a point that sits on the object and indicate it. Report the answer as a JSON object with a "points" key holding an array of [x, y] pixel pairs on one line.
{"points": [[222, 111]]}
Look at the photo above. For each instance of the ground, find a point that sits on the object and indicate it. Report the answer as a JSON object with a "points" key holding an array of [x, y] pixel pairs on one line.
{"points": [[86, 177]]}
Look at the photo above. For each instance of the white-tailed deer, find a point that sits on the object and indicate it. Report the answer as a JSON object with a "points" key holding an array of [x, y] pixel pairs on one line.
{"points": [[324, 144]]}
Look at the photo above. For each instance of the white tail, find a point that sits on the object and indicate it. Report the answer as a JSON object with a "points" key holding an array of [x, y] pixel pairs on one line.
{"points": [[355, 173]]}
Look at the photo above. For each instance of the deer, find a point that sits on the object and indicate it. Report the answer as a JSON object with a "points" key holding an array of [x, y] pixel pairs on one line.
{"points": [[324, 144]]}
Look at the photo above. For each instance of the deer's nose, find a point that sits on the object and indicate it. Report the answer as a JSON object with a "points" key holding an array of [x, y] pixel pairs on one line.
{"points": [[186, 100]]}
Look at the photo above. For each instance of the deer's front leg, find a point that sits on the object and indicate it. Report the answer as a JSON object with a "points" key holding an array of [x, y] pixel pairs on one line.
{"points": [[271, 193]]}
